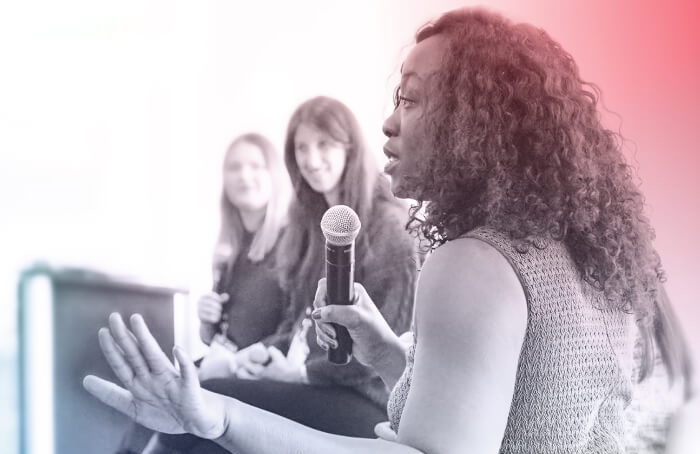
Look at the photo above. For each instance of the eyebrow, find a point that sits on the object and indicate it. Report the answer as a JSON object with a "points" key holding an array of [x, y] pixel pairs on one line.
{"points": [[410, 74]]}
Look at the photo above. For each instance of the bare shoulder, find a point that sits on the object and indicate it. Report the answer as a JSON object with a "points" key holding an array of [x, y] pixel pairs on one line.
{"points": [[471, 318], [470, 279]]}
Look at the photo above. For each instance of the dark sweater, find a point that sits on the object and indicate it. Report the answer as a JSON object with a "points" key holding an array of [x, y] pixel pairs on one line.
{"points": [[388, 273], [254, 308]]}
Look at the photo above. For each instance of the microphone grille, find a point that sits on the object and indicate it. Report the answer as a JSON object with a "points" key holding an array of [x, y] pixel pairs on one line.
{"points": [[340, 225]]}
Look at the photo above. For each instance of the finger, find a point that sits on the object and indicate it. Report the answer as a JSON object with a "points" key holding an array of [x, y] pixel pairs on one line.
{"points": [[324, 327], [327, 329], [187, 367], [156, 359], [361, 296], [224, 297], [254, 369], [383, 431], [321, 343], [347, 316], [211, 316], [259, 354], [327, 340], [125, 340], [110, 394], [206, 299], [114, 357], [211, 304], [243, 373], [275, 354], [320, 297]]}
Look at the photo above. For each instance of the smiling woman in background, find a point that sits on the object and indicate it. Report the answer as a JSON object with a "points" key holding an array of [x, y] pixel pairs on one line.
{"points": [[288, 373], [541, 322], [246, 302]]}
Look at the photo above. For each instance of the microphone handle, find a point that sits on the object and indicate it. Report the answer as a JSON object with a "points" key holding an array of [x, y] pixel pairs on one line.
{"points": [[340, 271]]}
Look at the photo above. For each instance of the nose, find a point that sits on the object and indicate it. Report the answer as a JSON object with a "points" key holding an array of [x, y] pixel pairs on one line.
{"points": [[312, 158], [390, 128], [245, 173]]}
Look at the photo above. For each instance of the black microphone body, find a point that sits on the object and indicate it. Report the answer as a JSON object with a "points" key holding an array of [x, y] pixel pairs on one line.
{"points": [[340, 272]]}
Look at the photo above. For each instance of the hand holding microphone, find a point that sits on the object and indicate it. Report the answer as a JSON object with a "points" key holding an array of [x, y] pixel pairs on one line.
{"points": [[370, 333], [210, 307], [340, 226], [345, 315]]}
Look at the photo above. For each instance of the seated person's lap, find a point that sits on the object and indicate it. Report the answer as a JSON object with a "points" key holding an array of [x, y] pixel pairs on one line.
{"points": [[333, 409]]}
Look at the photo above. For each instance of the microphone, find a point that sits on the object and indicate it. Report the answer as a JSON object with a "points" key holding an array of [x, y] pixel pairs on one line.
{"points": [[220, 267], [340, 226]]}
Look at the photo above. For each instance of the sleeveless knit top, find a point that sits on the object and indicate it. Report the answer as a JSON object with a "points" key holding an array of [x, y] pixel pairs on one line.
{"points": [[576, 387]]}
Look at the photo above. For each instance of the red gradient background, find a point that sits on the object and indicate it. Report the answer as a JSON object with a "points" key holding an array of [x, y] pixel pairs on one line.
{"points": [[645, 57], [114, 117]]}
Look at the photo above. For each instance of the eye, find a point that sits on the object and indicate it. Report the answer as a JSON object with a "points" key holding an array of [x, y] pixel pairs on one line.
{"points": [[406, 102]]}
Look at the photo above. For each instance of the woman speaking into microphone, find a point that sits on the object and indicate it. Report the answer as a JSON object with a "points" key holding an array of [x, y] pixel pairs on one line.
{"points": [[541, 321]]}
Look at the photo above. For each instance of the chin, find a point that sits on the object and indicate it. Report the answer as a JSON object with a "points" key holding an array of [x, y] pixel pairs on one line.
{"points": [[399, 189]]}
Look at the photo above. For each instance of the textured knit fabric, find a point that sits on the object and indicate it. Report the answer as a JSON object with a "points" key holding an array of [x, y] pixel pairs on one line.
{"points": [[576, 389]]}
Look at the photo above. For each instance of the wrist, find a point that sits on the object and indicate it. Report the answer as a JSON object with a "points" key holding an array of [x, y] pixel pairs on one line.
{"points": [[224, 422], [390, 360], [206, 331], [304, 374]]}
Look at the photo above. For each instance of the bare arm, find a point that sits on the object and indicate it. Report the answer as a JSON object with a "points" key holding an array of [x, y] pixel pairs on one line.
{"points": [[251, 430], [470, 333], [163, 398], [471, 316], [470, 329]]}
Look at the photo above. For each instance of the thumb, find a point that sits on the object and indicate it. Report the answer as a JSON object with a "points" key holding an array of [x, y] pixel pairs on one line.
{"points": [[187, 368], [275, 354], [383, 431], [224, 297], [347, 316]]}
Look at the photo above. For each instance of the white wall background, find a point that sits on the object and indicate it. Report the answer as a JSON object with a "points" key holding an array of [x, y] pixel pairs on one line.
{"points": [[114, 117]]}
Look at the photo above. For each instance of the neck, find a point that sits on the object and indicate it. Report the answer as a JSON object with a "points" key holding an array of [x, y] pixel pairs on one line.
{"points": [[332, 197], [252, 220]]}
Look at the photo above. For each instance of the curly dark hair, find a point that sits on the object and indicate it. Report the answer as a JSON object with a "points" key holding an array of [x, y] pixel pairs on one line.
{"points": [[515, 142]]}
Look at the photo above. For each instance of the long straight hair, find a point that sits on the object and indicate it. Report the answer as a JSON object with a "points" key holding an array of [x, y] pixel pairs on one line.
{"points": [[231, 229], [302, 245]]}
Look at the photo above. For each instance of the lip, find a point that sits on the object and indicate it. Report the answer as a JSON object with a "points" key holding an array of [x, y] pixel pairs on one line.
{"points": [[393, 163], [315, 173], [390, 154]]}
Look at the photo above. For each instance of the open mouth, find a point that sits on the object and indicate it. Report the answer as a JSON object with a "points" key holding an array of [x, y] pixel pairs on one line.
{"points": [[393, 161], [391, 155]]}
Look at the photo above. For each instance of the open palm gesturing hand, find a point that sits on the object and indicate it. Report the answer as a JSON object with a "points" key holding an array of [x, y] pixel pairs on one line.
{"points": [[155, 393]]}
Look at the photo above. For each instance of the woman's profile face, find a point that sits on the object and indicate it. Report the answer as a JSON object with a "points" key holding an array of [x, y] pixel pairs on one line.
{"points": [[405, 128], [321, 159], [247, 180]]}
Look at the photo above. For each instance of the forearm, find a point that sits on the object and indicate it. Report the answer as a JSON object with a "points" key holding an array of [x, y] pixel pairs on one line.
{"points": [[255, 431], [206, 332], [391, 361]]}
